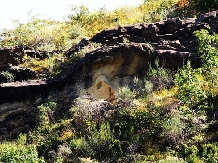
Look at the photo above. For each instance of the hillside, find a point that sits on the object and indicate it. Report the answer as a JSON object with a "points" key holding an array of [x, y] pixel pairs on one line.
{"points": [[145, 92]]}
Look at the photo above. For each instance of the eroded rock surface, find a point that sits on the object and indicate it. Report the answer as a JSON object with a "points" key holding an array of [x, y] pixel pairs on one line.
{"points": [[124, 52]]}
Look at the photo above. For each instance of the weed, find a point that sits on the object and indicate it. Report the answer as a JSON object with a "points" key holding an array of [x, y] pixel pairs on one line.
{"points": [[9, 76], [87, 49], [14, 152], [46, 113], [86, 110], [160, 77]]}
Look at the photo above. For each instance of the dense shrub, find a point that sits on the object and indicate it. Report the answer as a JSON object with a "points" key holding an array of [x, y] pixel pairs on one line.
{"points": [[205, 153], [49, 34], [190, 84], [97, 143], [192, 8], [46, 113], [155, 120], [197, 86], [19, 152], [204, 6], [159, 76], [42, 35], [94, 22]]}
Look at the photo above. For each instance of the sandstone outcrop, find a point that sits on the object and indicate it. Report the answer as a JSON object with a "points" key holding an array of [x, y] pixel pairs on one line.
{"points": [[124, 53]]}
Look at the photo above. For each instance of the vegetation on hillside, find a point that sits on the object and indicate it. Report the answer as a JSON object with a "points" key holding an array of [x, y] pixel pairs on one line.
{"points": [[53, 35], [167, 117]]}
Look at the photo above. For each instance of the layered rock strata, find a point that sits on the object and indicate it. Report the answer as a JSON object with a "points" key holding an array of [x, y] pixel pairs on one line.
{"points": [[124, 52]]}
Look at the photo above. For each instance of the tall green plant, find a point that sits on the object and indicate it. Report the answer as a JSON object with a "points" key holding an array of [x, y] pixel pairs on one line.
{"points": [[197, 86], [209, 55], [190, 84], [46, 113]]}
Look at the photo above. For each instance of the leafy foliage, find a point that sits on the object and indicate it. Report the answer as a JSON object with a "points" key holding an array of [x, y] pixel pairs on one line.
{"points": [[149, 11], [47, 68], [191, 85], [204, 6], [159, 76], [46, 113], [158, 119], [9, 76], [197, 86], [13, 152], [41, 34], [192, 8], [51, 35]]}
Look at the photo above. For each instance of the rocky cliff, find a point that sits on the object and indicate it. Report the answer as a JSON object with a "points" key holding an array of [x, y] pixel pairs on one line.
{"points": [[123, 53]]}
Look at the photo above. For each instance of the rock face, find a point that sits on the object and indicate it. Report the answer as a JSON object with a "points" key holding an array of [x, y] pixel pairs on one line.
{"points": [[124, 53], [9, 59], [9, 55], [14, 54]]}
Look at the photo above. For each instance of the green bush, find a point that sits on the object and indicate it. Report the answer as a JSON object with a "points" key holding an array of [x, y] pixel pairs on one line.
{"points": [[173, 128], [159, 76], [210, 153], [98, 142], [172, 159], [42, 35], [46, 113], [190, 84], [137, 128], [204, 6], [198, 86], [203, 153], [19, 152], [126, 96], [189, 153]]}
